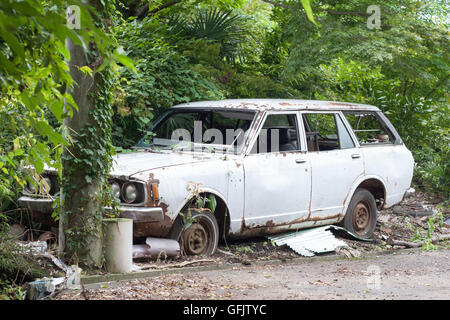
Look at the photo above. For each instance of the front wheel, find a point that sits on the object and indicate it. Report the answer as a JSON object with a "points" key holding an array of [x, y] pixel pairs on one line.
{"points": [[200, 235], [361, 215]]}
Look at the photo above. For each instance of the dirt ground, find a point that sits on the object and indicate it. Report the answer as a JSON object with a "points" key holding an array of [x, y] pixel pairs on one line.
{"points": [[418, 274], [402, 275]]}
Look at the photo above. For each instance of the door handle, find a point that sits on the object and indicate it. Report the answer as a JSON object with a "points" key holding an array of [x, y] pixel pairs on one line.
{"points": [[356, 156], [300, 160]]}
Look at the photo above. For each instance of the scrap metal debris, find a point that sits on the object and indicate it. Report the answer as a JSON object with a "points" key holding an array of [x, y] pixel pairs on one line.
{"points": [[447, 222], [39, 248], [156, 247], [344, 233], [45, 288], [349, 252], [417, 244], [311, 241], [48, 287]]}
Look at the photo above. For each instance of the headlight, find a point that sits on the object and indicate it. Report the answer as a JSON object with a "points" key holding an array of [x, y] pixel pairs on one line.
{"points": [[129, 192], [115, 188], [30, 188]]}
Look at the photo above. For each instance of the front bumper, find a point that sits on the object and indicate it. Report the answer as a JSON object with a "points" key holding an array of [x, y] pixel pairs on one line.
{"points": [[140, 214], [44, 205], [137, 214]]}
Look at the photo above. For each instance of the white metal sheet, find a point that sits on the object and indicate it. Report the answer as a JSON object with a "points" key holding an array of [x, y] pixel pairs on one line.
{"points": [[310, 241]]}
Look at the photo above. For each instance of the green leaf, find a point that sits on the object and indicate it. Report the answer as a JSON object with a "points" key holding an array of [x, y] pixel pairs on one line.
{"points": [[86, 70], [309, 13], [15, 45], [212, 202], [46, 130], [126, 61]]}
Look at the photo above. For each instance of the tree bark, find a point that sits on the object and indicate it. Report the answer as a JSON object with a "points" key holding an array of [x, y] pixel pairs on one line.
{"points": [[80, 229]]}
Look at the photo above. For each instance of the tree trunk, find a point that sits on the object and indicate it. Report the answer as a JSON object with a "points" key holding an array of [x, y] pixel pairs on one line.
{"points": [[80, 225]]}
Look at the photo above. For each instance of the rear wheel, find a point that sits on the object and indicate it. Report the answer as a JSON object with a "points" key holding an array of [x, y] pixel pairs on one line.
{"points": [[361, 215], [200, 235]]}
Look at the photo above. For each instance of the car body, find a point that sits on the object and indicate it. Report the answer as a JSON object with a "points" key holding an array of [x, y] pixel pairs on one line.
{"points": [[290, 164]]}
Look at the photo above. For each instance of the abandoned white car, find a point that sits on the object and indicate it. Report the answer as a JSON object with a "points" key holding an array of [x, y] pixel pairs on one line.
{"points": [[245, 168]]}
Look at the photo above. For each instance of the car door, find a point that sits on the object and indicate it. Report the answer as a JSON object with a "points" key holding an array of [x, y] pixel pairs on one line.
{"points": [[336, 162], [385, 155], [277, 174]]}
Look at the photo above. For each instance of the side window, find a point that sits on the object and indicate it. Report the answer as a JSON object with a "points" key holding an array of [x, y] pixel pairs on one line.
{"points": [[368, 128], [326, 131], [279, 133], [344, 136]]}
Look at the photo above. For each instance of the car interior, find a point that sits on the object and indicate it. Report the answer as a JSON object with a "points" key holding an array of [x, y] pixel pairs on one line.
{"points": [[278, 134], [321, 132], [368, 128]]}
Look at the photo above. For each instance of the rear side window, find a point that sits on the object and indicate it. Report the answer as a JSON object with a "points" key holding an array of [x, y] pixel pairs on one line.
{"points": [[369, 128], [326, 131]]}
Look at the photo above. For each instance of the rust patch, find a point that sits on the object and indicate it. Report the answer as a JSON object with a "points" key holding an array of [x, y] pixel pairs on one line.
{"points": [[270, 223], [243, 224], [245, 105], [272, 228], [153, 229], [340, 104], [164, 207], [343, 204], [325, 218]]}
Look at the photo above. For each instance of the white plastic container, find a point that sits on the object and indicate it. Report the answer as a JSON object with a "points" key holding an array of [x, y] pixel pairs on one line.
{"points": [[118, 241]]}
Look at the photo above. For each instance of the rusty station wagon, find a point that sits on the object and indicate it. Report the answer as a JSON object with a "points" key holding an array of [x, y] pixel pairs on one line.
{"points": [[246, 168]]}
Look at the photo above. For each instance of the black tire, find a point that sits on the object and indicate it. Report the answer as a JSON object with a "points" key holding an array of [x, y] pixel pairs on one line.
{"points": [[201, 237], [361, 215]]}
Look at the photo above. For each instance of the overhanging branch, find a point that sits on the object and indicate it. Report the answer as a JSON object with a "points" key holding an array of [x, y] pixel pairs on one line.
{"points": [[144, 11]]}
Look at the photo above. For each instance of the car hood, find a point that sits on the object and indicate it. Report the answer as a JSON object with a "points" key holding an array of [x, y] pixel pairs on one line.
{"points": [[129, 164]]}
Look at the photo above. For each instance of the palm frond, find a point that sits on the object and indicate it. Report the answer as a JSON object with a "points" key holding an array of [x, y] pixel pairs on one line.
{"points": [[215, 25]]}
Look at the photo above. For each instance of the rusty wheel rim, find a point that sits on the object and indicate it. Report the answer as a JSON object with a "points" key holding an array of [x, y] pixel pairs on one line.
{"points": [[361, 218], [196, 239]]}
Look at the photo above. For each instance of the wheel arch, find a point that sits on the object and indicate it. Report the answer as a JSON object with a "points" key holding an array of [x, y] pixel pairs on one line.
{"points": [[221, 212], [374, 184]]}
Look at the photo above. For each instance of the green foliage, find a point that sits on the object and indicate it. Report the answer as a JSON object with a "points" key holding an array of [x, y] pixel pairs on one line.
{"points": [[33, 75], [164, 78], [432, 224], [33, 81], [405, 48], [222, 27], [245, 85]]}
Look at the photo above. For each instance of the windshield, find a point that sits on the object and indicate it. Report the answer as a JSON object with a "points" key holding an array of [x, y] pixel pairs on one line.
{"points": [[200, 130]]}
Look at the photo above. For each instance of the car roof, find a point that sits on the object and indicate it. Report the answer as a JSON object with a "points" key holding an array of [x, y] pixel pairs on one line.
{"points": [[278, 104]]}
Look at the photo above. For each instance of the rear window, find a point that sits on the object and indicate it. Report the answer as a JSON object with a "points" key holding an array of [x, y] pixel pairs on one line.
{"points": [[369, 128]]}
